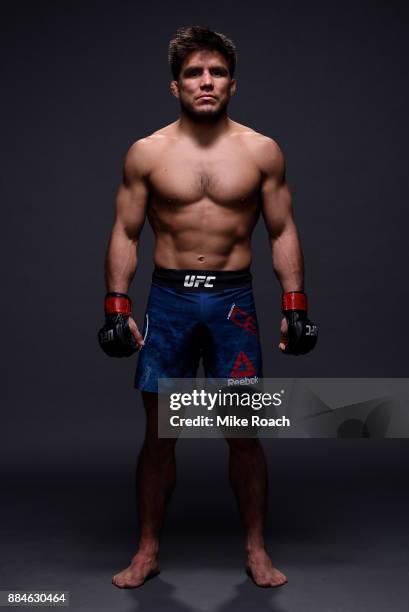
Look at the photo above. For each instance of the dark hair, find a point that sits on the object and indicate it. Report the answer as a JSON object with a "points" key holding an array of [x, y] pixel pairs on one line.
{"points": [[196, 38]]}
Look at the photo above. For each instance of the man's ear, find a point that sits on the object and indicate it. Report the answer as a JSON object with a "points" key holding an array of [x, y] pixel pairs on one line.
{"points": [[174, 88], [233, 87]]}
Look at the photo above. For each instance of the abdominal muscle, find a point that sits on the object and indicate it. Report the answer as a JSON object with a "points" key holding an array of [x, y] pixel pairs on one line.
{"points": [[203, 235]]}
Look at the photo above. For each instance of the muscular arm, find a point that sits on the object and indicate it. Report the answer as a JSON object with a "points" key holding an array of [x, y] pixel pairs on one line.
{"points": [[131, 203], [286, 250]]}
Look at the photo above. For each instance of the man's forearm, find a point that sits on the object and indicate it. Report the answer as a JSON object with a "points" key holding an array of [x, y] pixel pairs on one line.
{"points": [[121, 262], [288, 261]]}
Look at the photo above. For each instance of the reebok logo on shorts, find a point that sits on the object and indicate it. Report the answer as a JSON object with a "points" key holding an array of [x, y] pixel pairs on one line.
{"points": [[242, 366]]}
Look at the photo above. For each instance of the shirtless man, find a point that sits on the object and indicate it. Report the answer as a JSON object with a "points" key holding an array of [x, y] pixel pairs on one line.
{"points": [[202, 182]]}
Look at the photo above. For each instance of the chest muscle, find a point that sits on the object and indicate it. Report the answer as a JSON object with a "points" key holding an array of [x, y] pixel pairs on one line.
{"points": [[225, 179]]}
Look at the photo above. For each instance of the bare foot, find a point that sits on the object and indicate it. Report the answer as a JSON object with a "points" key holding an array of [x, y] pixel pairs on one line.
{"points": [[142, 568], [262, 572]]}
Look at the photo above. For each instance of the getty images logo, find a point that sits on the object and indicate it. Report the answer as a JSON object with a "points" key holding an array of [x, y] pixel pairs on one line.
{"points": [[191, 280]]}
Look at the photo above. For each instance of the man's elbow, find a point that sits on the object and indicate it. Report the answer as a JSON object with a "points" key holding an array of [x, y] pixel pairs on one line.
{"points": [[123, 233], [285, 233]]}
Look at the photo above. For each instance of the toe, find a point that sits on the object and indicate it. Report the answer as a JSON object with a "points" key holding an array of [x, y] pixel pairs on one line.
{"points": [[118, 581], [278, 581]]}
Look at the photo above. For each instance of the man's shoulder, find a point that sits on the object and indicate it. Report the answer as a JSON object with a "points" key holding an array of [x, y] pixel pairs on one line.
{"points": [[151, 144], [265, 150], [144, 152]]}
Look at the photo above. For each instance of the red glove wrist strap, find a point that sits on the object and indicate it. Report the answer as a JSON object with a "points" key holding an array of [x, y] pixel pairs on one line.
{"points": [[294, 300], [118, 304]]}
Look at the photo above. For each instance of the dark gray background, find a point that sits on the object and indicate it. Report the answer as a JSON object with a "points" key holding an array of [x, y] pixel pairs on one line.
{"points": [[81, 82]]}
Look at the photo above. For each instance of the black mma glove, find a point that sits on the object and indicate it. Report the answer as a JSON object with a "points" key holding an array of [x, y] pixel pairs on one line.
{"points": [[115, 338], [302, 333]]}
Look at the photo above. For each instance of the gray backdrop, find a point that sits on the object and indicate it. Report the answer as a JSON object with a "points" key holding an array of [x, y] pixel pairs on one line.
{"points": [[81, 82]]}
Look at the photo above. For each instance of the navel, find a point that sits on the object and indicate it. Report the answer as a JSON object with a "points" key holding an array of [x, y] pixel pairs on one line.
{"points": [[201, 258]]}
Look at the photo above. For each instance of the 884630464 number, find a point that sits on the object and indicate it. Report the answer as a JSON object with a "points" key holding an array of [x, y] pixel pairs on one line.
{"points": [[34, 598]]}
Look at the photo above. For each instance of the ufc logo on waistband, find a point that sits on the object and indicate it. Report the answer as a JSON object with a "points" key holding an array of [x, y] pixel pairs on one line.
{"points": [[191, 280]]}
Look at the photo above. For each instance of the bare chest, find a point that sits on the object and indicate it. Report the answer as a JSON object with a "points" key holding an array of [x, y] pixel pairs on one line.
{"points": [[225, 177]]}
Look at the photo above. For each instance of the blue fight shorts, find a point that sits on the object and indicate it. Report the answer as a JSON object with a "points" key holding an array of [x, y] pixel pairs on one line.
{"points": [[199, 314]]}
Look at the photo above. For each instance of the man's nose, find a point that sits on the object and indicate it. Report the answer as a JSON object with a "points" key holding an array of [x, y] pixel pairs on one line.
{"points": [[206, 80]]}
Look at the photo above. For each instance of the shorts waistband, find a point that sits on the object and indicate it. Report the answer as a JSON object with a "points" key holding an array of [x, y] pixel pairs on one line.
{"points": [[201, 280]]}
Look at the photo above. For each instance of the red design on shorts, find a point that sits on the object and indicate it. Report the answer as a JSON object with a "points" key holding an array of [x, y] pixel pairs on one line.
{"points": [[242, 360], [244, 319]]}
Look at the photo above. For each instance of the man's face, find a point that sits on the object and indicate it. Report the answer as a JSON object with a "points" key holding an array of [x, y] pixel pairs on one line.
{"points": [[204, 87]]}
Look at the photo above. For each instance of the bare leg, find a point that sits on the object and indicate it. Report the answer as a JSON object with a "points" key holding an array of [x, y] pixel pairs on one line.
{"points": [[248, 477], [155, 481]]}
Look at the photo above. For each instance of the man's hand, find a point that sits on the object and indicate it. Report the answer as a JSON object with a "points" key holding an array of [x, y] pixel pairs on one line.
{"points": [[135, 332], [298, 334], [284, 334], [120, 336]]}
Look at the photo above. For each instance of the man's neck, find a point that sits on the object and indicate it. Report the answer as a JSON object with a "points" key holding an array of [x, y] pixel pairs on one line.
{"points": [[203, 131]]}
